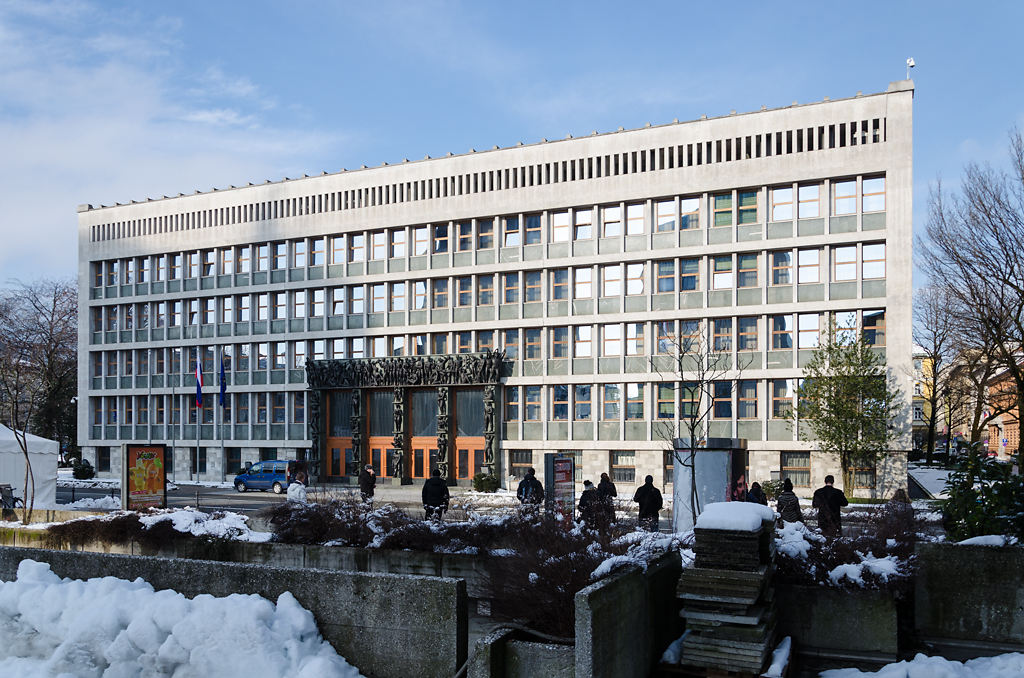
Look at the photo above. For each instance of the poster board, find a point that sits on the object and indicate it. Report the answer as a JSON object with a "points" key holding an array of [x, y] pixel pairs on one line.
{"points": [[560, 490], [143, 477]]}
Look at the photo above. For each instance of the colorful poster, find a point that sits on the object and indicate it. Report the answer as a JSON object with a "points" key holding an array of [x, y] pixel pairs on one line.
{"points": [[560, 483], [143, 479]]}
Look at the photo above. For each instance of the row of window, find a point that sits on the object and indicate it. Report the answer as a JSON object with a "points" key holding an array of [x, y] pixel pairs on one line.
{"points": [[277, 407], [725, 209], [745, 333], [740, 271]]}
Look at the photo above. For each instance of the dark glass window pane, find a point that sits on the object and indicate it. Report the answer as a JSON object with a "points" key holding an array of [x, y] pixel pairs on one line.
{"points": [[423, 406], [340, 420], [469, 412], [381, 413]]}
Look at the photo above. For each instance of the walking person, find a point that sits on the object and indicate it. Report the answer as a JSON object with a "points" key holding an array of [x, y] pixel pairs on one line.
{"points": [[788, 505], [435, 496], [590, 505], [829, 502], [530, 490], [607, 493], [648, 497], [297, 488], [367, 483], [756, 495]]}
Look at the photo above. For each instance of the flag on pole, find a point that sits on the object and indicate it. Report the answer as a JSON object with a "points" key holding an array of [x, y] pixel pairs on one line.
{"points": [[199, 381], [223, 384]]}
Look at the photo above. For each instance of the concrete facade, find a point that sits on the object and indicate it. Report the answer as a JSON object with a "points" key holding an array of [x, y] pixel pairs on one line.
{"points": [[577, 257]]}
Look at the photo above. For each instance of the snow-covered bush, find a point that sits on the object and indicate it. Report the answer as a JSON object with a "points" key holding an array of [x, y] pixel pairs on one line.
{"points": [[984, 497]]}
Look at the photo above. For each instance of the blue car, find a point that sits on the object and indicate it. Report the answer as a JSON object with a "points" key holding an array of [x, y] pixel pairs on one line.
{"points": [[265, 475]]}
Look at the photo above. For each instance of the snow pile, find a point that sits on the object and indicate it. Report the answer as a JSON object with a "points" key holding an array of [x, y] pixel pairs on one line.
{"points": [[780, 658], [91, 483], [884, 568], [643, 547], [990, 540], [111, 627], [795, 539], [673, 654], [739, 516], [226, 525], [1001, 666], [92, 503]]}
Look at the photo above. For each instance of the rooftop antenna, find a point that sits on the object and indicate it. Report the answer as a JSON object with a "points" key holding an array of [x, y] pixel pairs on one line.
{"points": [[910, 64]]}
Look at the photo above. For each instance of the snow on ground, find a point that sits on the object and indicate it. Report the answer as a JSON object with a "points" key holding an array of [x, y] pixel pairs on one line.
{"points": [[111, 628], [931, 478], [226, 525], [990, 540], [643, 547], [734, 515], [92, 503], [1001, 666]]}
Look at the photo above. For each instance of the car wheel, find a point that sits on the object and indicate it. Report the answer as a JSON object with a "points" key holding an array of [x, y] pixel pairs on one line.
{"points": [[277, 488], [240, 486]]}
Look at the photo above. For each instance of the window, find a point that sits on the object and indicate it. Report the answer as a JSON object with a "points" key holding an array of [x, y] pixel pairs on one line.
{"points": [[337, 253], [261, 408], [611, 398], [846, 327], [227, 311], [356, 247], [611, 340], [611, 280], [746, 334], [807, 328], [634, 401], [378, 298], [465, 236], [845, 193], [797, 467], [278, 401], [485, 290], [873, 196], [559, 283], [782, 268], [356, 299], [722, 209], [511, 403], [420, 240], [519, 462], [581, 402], [689, 275], [746, 399], [510, 288], [398, 243], [485, 234], [845, 263], [808, 263], [299, 254], [722, 403], [440, 340], [665, 216], [583, 224], [665, 274], [665, 332], [532, 344], [464, 342], [873, 261], [280, 356], [747, 207], [419, 343], [874, 328], [689, 335], [464, 291], [782, 398], [582, 288], [533, 227], [810, 202], [337, 301], [226, 266], [531, 397], [439, 288], [863, 476], [280, 309], [722, 335], [531, 286], [440, 238], [560, 402], [510, 342], [317, 253], [378, 245], [666, 405], [581, 340], [634, 219], [634, 338], [511, 233], [299, 360], [689, 213], [623, 469], [782, 204], [635, 275], [746, 270], [559, 342], [560, 227], [398, 296], [299, 304], [208, 265], [722, 272], [611, 222]]}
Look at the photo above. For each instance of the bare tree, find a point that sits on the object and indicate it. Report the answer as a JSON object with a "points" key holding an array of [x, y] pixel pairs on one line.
{"points": [[974, 252], [934, 334], [38, 365]]}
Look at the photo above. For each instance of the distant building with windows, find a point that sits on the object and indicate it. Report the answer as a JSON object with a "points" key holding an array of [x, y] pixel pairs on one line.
{"points": [[581, 259]]}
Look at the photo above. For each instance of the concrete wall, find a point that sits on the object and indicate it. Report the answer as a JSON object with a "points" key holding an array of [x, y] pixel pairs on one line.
{"points": [[386, 625], [970, 593], [834, 622]]}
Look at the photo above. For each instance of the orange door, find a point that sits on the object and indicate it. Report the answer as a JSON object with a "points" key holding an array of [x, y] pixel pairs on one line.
{"points": [[469, 457]]}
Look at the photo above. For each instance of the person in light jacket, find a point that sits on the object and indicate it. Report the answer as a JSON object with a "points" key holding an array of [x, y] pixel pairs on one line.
{"points": [[297, 489]]}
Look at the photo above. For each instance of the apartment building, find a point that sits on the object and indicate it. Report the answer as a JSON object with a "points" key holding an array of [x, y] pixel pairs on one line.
{"points": [[583, 260]]}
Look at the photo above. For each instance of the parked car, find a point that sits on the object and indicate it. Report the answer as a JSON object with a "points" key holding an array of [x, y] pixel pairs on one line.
{"points": [[264, 475]]}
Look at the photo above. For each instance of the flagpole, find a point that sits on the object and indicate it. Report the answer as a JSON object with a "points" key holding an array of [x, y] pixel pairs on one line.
{"points": [[193, 469], [220, 426]]}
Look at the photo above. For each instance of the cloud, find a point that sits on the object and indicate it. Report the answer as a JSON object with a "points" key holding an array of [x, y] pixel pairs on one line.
{"points": [[89, 116]]}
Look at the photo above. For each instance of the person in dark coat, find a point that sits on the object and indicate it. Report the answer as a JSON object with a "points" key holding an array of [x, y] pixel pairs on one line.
{"points": [[788, 505], [829, 502], [648, 497], [530, 490], [756, 494], [590, 508], [607, 492], [435, 495], [367, 481]]}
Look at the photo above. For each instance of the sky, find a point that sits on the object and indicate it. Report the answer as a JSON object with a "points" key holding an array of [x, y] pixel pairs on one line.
{"points": [[104, 102]]}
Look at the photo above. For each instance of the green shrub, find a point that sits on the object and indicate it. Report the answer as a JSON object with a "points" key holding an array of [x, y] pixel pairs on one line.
{"points": [[485, 482], [82, 469], [772, 489], [984, 498]]}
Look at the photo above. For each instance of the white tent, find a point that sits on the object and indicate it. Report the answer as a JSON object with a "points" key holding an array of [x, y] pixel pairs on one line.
{"points": [[42, 453]]}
